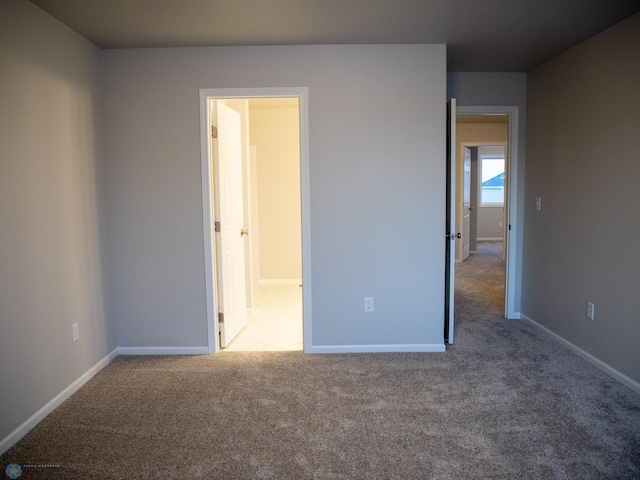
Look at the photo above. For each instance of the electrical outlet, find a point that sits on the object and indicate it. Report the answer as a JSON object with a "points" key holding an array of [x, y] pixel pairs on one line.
{"points": [[538, 204], [75, 333], [368, 304], [590, 310]]}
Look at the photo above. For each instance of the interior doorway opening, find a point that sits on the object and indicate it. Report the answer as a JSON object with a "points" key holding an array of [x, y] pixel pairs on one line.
{"points": [[479, 128], [275, 284], [483, 208], [274, 256]]}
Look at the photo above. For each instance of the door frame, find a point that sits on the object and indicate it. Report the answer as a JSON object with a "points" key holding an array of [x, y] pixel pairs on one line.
{"points": [[511, 203], [207, 167]]}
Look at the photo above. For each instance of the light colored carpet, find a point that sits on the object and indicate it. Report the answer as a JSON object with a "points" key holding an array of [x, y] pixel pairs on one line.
{"points": [[504, 402]]}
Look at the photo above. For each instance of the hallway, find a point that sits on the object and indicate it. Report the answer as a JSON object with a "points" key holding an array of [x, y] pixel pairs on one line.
{"points": [[479, 283]]}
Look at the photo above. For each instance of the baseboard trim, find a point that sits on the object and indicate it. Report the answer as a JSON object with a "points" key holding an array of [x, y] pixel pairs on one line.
{"points": [[426, 347], [13, 438], [489, 239], [163, 350], [280, 281], [596, 362]]}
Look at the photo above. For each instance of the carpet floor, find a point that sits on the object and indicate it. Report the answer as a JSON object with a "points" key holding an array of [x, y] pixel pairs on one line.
{"points": [[503, 402]]}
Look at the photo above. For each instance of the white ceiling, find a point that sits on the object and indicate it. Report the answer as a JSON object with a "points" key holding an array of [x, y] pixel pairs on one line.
{"points": [[482, 35]]}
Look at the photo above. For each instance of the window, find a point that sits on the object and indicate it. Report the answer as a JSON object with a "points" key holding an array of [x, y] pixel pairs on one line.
{"points": [[492, 181]]}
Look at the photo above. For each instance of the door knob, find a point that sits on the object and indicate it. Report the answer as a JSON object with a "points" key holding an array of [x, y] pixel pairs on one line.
{"points": [[453, 236], [243, 232]]}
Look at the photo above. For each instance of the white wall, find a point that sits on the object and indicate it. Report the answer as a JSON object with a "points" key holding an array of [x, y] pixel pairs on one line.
{"points": [[276, 134], [367, 189], [582, 160], [53, 268]]}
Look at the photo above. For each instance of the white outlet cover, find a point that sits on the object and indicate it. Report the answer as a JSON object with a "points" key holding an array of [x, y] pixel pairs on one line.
{"points": [[368, 304]]}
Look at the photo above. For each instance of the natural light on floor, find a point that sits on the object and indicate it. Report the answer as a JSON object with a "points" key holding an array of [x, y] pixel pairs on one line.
{"points": [[276, 322]]}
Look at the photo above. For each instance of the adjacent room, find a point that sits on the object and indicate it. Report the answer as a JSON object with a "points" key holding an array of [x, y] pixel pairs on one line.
{"points": [[269, 153]]}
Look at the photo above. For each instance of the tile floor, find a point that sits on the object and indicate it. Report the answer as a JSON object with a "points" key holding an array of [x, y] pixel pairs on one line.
{"points": [[276, 322]]}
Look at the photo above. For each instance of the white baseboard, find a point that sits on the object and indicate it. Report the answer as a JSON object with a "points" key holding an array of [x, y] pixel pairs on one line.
{"points": [[280, 281], [11, 439], [163, 350], [426, 347], [609, 370], [489, 239]]}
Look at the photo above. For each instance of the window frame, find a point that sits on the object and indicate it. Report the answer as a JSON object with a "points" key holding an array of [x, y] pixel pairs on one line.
{"points": [[481, 160]]}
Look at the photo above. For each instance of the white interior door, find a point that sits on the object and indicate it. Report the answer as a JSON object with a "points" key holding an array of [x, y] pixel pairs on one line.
{"points": [[466, 206], [227, 151], [450, 224]]}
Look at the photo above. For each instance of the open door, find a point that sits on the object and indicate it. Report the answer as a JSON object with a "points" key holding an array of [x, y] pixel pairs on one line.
{"points": [[450, 224], [229, 215]]}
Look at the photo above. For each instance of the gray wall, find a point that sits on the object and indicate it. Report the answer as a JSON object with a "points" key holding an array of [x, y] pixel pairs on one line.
{"points": [[498, 89], [368, 191], [489, 219], [582, 160], [52, 268]]}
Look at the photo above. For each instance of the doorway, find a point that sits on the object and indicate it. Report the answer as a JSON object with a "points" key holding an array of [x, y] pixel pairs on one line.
{"points": [[261, 293], [484, 207], [489, 121]]}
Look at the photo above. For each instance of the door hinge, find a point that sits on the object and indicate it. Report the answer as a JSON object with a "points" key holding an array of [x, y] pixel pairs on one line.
{"points": [[216, 227], [214, 132], [509, 227], [220, 317]]}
